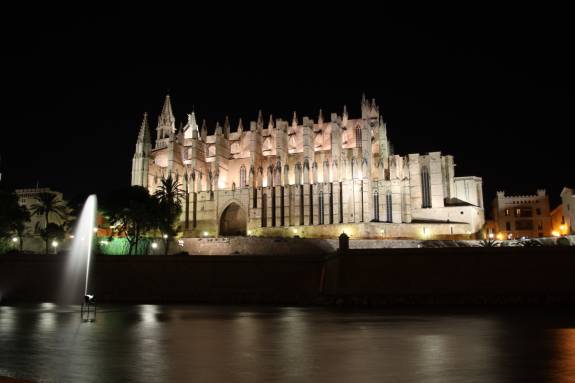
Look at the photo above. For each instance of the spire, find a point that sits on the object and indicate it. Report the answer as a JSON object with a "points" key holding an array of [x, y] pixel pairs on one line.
{"points": [[320, 117], [345, 110], [363, 98], [294, 119], [144, 135], [260, 117], [227, 127], [204, 132], [191, 127], [240, 126], [167, 116], [218, 128], [271, 122]]}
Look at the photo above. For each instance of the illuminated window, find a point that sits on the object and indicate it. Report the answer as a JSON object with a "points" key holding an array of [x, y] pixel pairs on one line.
{"points": [[242, 176], [358, 137], [507, 212], [375, 205], [425, 188], [388, 206]]}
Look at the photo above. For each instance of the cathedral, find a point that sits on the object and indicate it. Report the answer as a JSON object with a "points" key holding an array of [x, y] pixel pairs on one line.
{"points": [[306, 178]]}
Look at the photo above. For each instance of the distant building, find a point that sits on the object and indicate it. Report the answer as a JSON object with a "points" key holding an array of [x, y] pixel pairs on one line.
{"points": [[558, 222], [522, 215], [568, 204], [27, 198], [308, 178]]}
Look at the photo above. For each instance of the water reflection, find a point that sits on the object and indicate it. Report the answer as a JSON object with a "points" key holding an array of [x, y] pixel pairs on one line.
{"points": [[237, 344]]}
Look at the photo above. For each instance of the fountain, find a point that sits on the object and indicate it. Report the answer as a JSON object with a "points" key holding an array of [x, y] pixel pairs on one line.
{"points": [[76, 278]]}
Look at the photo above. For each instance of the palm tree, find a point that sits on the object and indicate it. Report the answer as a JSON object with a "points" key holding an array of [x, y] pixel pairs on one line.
{"points": [[169, 196], [49, 203]]}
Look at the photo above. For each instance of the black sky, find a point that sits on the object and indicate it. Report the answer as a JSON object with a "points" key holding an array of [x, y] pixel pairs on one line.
{"points": [[496, 92]]}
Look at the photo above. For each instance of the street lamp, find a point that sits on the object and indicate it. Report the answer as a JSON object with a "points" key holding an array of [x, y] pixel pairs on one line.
{"points": [[15, 239]]}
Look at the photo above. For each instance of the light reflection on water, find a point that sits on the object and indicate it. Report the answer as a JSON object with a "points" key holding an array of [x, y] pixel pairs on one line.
{"points": [[288, 344]]}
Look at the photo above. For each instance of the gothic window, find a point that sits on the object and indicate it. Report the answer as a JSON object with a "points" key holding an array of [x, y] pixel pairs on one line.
{"points": [[388, 206], [375, 205], [242, 176], [235, 149], [320, 202], [211, 150], [292, 144], [267, 144], [318, 141], [358, 137], [425, 187], [301, 205], [264, 212]]}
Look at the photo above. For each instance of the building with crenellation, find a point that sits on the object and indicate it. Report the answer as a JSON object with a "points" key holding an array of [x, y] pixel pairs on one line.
{"points": [[519, 216], [312, 178]]}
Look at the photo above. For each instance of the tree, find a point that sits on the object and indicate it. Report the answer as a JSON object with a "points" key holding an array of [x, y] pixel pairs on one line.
{"points": [[49, 203], [132, 212], [169, 197], [52, 232], [13, 217]]}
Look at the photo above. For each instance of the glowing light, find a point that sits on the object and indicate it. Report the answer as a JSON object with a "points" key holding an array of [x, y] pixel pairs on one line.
{"points": [[95, 230], [71, 236], [154, 245], [205, 233], [500, 236], [490, 235], [425, 232], [103, 242], [181, 242], [294, 231], [15, 239], [55, 243], [249, 232], [555, 233], [562, 228], [165, 236]]}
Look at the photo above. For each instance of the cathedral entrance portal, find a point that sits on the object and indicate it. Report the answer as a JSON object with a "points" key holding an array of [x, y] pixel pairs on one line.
{"points": [[233, 221]]}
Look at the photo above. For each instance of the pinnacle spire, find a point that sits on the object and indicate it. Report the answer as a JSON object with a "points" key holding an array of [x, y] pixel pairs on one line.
{"points": [[240, 125], [144, 135], [294, 119], [166, 119], [271, 122], [260, 117], [320, 117]]}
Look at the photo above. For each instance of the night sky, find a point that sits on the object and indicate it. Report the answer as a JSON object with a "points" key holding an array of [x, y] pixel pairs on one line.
{"points": [[495, 93]]}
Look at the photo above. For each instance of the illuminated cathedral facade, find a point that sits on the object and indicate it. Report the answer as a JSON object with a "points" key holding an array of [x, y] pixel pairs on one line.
{"points": [[307, 178]]}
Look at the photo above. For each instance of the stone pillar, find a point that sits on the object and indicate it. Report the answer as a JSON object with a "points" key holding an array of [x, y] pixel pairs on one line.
{"points": [[336, 202], [396, 201], [415, 181], [269, 205], [436, 180], [279, 196], [357, 201]]}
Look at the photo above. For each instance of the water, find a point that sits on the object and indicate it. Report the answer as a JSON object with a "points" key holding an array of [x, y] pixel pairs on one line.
{"points": [[149, 343], [76, 276]]}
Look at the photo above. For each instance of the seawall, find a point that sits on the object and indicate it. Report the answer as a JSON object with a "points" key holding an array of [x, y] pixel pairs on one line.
{"points": [[356, 276]]}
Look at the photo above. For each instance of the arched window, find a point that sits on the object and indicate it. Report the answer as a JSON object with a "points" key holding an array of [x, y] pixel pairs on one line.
{"points": [[388, 206], [235, 149], [264, 210], [375, 205], [267, 144], [425, 188], [242, 176], [358, 137], [320, 207]]}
